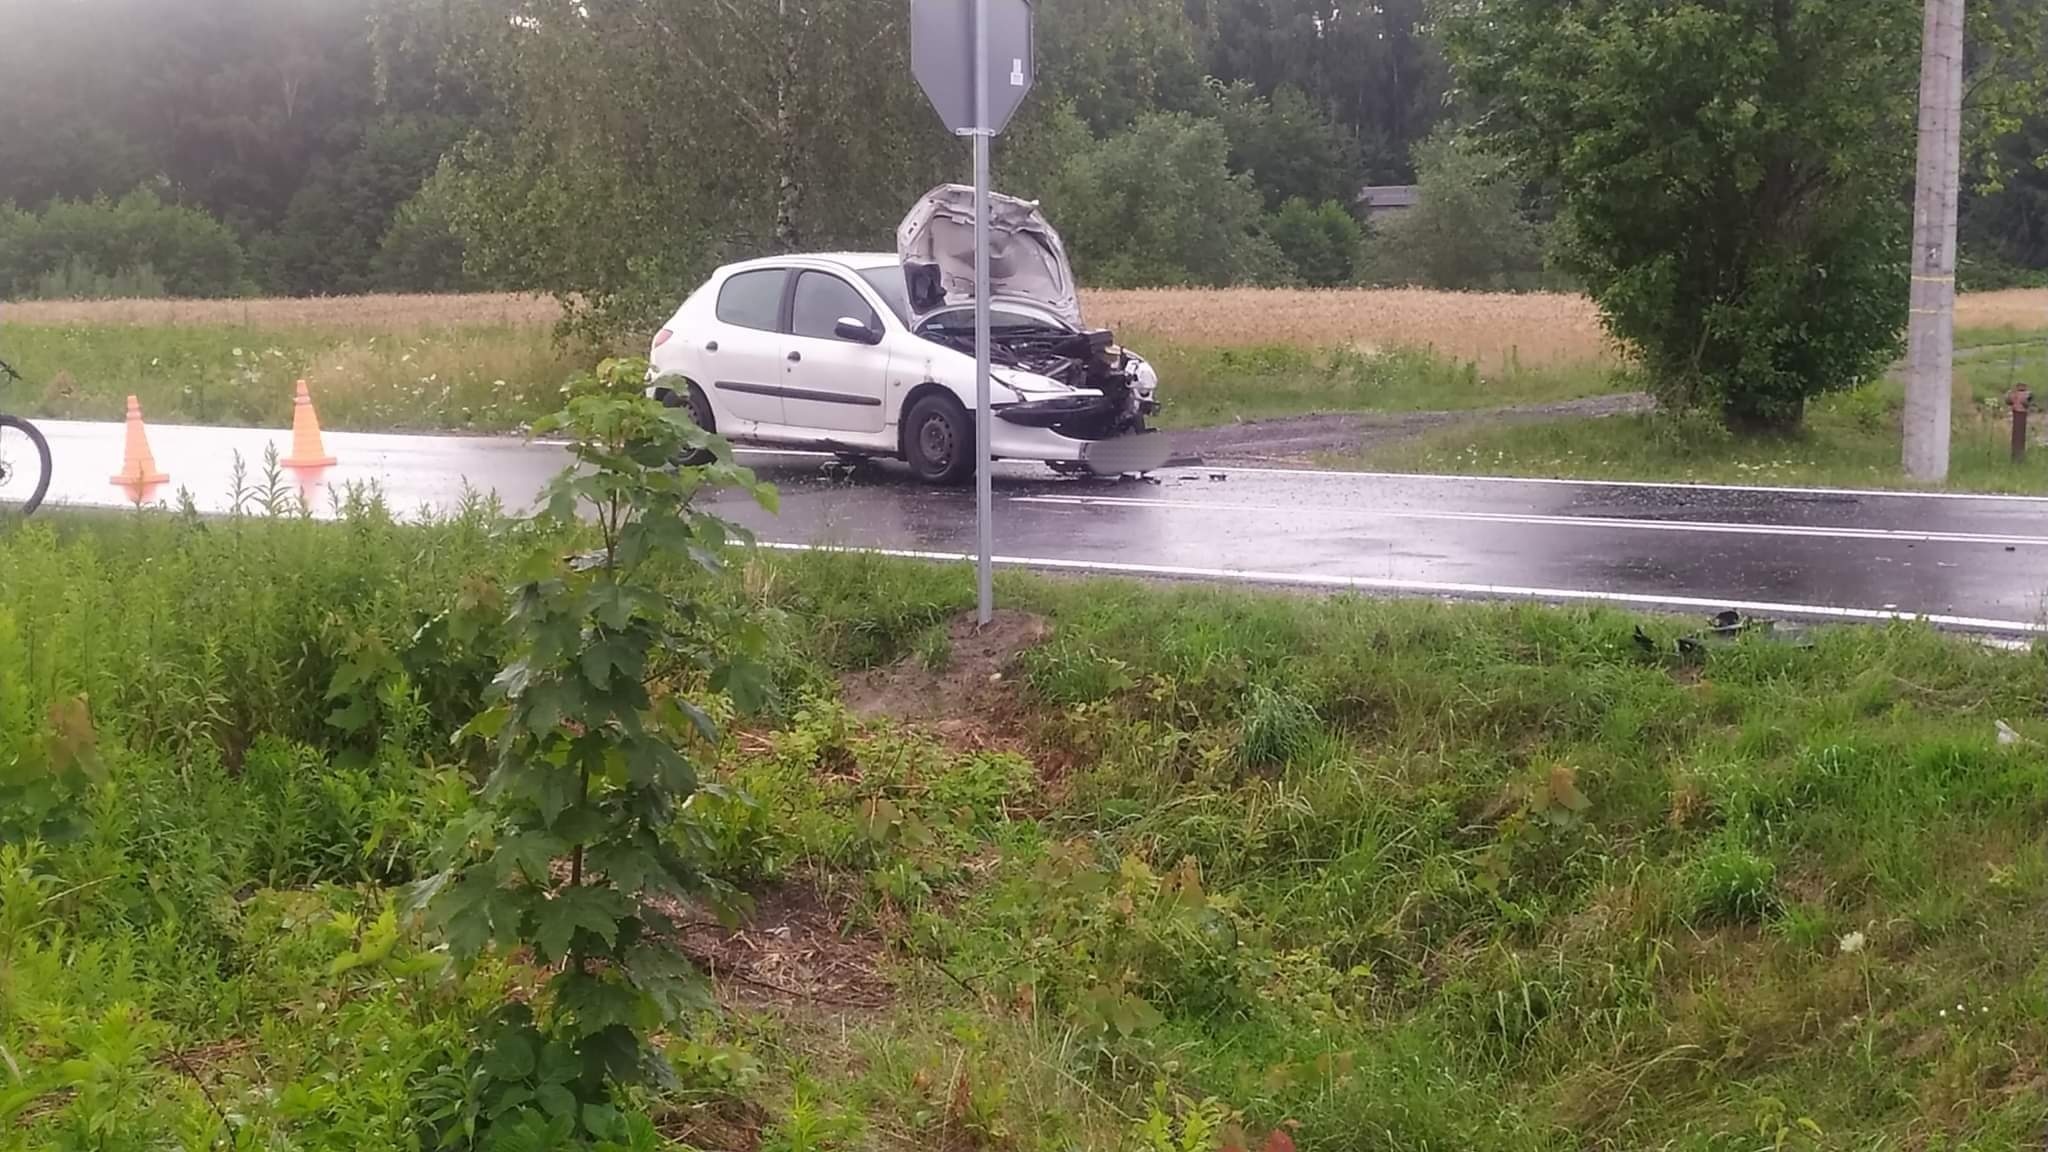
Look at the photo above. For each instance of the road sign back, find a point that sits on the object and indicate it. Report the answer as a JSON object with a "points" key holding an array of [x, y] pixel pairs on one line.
{"points": [[942, 57]]}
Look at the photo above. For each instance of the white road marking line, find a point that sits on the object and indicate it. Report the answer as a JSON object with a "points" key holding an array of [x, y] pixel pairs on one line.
{"points": [[1664, 485], [1530, 518], [1432, 587]]}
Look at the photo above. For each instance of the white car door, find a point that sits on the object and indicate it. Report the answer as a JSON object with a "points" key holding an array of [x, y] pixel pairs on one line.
{"points": [[743, 359], [832, 382]]}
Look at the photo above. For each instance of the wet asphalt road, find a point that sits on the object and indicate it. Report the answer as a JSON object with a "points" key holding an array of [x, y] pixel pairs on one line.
{"points": [[1968, 562]]}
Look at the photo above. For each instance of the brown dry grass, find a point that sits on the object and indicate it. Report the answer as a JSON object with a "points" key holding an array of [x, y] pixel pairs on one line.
{"points": [[388, 313], [1492, 329], [2021, 308]]}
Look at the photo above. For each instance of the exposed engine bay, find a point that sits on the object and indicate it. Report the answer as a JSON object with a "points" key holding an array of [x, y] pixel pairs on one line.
{"points": [[1088, 360], [1087, 387]]}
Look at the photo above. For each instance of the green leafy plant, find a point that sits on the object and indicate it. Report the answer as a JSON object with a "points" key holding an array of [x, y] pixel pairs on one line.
{"points": [[567, 856], [1122, 945], [44, 780], [810, 1126], [1177, 1124]]}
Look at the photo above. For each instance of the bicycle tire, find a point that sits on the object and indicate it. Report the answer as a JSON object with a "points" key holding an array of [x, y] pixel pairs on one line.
{"points": [[42, 447]]}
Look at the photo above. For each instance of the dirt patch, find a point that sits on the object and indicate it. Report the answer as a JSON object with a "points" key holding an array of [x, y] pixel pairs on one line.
{"points": [[794, 946], [727, 1125], [971, 687], [1348, 433]]}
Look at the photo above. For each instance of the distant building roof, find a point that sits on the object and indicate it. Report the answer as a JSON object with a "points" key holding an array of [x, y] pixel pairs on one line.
{"points": [[1384, 196]]}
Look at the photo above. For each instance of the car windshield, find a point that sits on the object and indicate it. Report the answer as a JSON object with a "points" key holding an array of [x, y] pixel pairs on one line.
{"points": [[888, 283]]}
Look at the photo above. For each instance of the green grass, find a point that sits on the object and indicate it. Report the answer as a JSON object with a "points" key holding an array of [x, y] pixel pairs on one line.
{"points": [[1849, 439], [1203, 387], [493, 376], [1399, 875], [489, 378], [498, 377], [1980, 338]]}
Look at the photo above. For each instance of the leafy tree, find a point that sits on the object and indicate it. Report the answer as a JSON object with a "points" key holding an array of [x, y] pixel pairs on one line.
{"points": [[1320, 241], [422, 251], [1466, 231], [1028, 159], [1158, 204], [313, 118], [70, 116], [644, 143], [2005, 218], [1111, 61], [570, 854], [331, 233], [1371, 66], [187, 251], [1729, 177], [1290, 149]]}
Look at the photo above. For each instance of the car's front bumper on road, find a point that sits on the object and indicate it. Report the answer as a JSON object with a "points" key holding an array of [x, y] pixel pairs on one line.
{"points": [[1113, 456]]}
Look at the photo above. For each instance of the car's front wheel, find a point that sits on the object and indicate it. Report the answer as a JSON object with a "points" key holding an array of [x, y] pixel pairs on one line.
{"points": [[938, 440]]}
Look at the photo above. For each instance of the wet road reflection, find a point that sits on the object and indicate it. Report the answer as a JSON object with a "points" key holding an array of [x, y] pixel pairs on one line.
{"points": [[1981, 559]]}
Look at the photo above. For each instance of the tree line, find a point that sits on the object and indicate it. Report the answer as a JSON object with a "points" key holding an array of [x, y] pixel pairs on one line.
{"points": [[351, 145], [1728, 178]]}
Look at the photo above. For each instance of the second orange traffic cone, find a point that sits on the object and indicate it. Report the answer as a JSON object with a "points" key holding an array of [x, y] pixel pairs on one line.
{"points": [[138, 465], [307, 450]]}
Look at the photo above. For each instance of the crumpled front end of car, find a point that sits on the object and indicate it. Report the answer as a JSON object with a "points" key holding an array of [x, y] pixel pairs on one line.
{"points": [[1079, 384]]}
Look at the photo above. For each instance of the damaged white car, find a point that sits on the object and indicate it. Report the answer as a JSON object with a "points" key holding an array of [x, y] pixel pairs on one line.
{"points": [[872, 354]]}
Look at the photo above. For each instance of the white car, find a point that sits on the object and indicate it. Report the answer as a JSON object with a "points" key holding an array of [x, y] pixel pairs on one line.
{"points": [[872, 354]]}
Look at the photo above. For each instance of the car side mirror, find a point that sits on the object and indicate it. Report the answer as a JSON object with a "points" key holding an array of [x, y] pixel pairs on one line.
{"points": [[857, 331]]}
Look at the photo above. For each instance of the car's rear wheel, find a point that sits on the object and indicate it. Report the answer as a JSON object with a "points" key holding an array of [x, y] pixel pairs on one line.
{"points": [[938, 440], [699, 407]]}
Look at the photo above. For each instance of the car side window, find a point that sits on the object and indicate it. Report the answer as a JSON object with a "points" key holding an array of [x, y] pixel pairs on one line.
{"points": [[753, 299], [821, 299]]}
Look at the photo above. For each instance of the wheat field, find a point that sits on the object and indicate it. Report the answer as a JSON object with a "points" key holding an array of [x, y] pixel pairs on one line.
{"points": [[1491, 329]]}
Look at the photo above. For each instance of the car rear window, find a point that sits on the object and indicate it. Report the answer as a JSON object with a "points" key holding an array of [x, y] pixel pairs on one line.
{"points": [[753, 299], [821, 299]]}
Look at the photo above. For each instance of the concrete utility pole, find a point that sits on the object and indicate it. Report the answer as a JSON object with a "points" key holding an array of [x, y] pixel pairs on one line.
{"points": [[1931, 328]]}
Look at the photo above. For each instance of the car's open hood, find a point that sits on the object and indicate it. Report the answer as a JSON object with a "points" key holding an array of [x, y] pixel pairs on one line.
{"points": [[1026, 259]]}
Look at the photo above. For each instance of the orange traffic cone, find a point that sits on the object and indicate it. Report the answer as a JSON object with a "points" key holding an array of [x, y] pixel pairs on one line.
{"points": [[307, 450], [138, 465]]}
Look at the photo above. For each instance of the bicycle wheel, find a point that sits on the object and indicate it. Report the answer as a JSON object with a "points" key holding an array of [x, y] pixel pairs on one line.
{"points": [[24, 464]]}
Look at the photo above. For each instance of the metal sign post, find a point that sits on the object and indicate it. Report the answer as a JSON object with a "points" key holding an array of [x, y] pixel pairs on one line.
{"points": [[952, 43], [984, 426]]}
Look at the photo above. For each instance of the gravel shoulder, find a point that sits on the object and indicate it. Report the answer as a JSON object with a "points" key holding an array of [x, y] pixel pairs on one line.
{"points": [[1347, 433]]}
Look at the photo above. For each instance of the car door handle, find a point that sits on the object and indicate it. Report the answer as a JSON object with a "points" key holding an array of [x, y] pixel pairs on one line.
{"points": [[795, 357], [711, 346]]}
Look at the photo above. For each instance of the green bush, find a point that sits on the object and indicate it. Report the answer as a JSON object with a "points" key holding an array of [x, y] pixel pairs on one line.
{"points": [[1158, 205], [1291, 148], [1467, 231], [100, 244], [1730, 178], [77, 280], [1321, 241], [422, 251]]}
